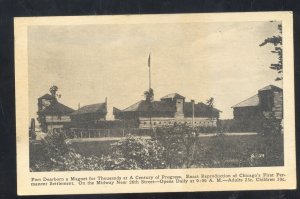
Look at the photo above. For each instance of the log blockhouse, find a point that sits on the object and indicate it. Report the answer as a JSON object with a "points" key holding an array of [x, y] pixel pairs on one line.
{"points": [[52, 114], [268, 101]]}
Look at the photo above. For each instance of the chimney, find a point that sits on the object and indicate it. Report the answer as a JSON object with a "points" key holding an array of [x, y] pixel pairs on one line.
{"points": [[109, 110], [79, 105]]}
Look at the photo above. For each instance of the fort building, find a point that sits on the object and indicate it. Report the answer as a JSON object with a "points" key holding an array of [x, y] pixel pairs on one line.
{"points": [[89, 116], [51, 113], [171, 109], [267, 102]]}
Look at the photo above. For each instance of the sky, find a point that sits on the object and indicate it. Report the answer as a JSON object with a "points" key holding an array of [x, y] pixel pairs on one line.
{"points": [[197, 60]]}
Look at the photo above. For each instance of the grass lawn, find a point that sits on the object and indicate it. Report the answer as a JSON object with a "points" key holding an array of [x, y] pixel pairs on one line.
{"points": [[239, 151]]}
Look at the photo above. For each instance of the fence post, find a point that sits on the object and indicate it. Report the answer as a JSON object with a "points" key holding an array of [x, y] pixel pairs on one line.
{"points": [[123, 132]]}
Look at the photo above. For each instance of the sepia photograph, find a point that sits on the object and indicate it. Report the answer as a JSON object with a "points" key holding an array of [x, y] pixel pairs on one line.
{"points": [[132, 97], [170, 95]]}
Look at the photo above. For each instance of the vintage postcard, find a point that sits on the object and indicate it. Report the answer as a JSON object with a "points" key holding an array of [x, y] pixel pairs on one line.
{"points": [[155, 103]]}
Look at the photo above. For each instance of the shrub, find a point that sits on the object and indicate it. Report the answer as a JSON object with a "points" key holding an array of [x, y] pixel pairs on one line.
{"points": [[134, 152], [269, 124], [178, 142], [53, 153]]}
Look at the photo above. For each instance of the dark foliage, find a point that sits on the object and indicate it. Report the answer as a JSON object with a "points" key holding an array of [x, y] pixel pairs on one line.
{"points": [[277, 42], [55, 154], [269, 125], [180, 146], [240, 125], [149, 95], [179, 142], [134, 152]]}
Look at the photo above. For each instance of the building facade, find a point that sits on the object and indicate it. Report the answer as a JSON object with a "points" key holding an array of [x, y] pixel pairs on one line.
{"points": [[172, 109], [89, 116], [52, 114], [268, 102]]}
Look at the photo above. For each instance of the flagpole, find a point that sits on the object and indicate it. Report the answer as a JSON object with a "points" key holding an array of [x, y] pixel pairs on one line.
{"points": [[149, 70], [150, 110]]}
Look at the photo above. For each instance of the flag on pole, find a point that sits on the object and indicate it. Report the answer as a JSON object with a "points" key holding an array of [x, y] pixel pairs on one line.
{"points": [[149, 60]]}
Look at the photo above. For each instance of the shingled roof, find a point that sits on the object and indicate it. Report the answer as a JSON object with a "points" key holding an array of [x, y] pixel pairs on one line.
{"points": [[251, 101], [57, 108], [92, 108], [254, 100], [143, 106]]}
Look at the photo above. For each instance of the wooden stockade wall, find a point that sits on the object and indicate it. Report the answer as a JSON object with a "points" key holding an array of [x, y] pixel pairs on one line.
{"points": [[101, 133]]}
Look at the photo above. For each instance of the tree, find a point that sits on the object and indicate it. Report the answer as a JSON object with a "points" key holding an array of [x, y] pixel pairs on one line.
{"points": [[269, 124], [54, 153], [178, 142], [210, 103], [277, 42], [53, 90], [269, 129], [149, 95]]}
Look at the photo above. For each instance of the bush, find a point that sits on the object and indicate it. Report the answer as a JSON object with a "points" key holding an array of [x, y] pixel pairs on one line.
{"points": [[269, 124], [134, 152], [240, 125], [55, 154], [178, 142]]}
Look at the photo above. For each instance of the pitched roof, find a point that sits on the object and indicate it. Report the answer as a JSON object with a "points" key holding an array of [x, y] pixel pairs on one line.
{"points": [[57, 108], [92, 108], [198, 108], [143, 106], [251, 101], [254, 100], [116, 111], [270, 87], [172, 95]]}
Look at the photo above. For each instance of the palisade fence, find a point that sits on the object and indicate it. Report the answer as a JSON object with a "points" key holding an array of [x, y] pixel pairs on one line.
{"points": [[75, 133]]}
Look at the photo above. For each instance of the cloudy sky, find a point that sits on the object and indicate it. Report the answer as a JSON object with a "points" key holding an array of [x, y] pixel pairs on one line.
{"points": [[196, 60]]}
